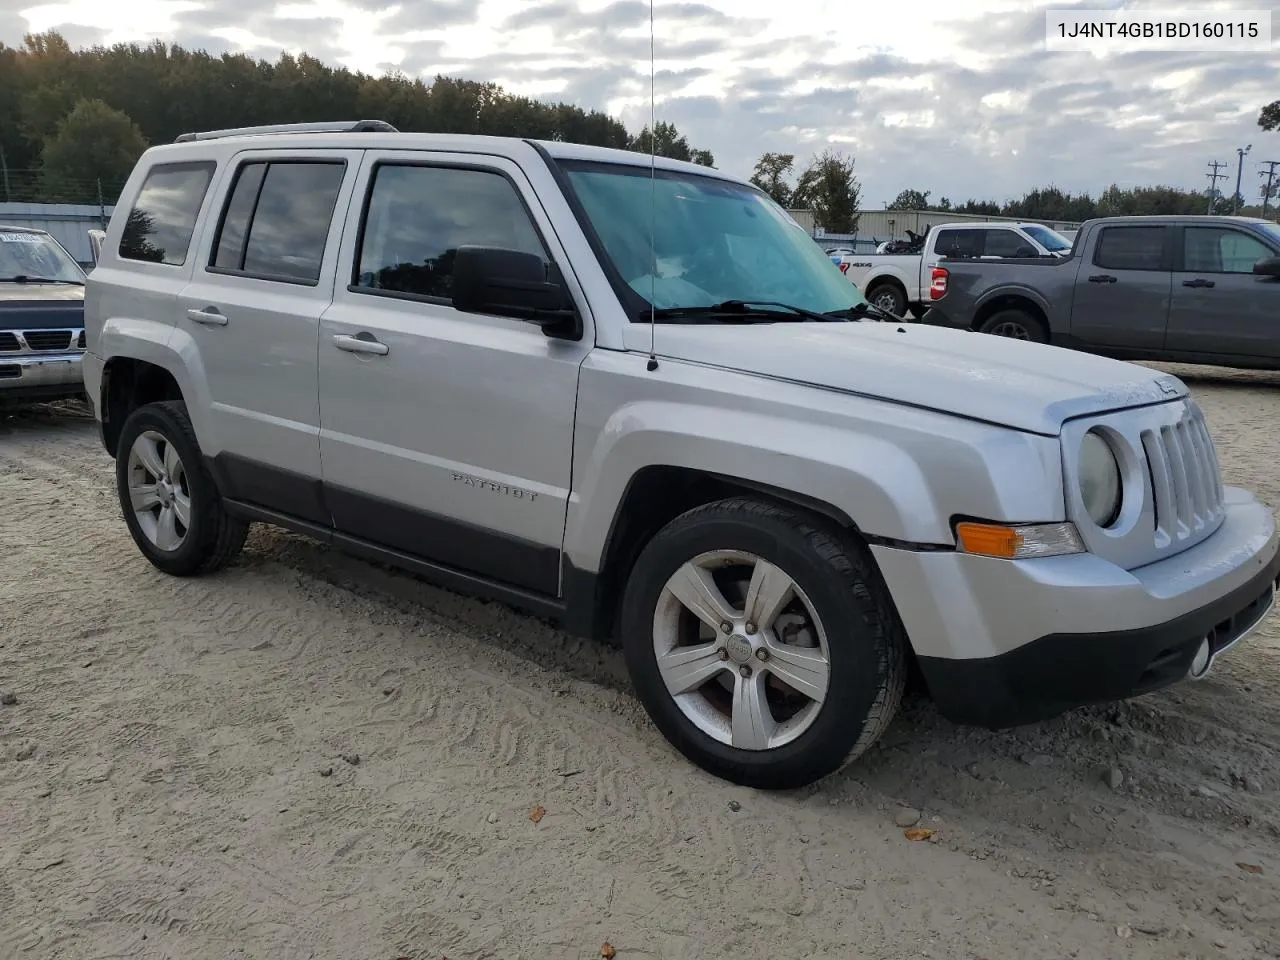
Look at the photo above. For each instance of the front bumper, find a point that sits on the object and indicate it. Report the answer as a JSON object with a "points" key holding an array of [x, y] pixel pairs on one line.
{"points": [[40, 376], [1006, 643]]}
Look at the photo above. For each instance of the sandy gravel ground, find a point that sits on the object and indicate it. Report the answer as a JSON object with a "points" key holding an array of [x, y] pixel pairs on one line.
{"points": [[310, 757]]}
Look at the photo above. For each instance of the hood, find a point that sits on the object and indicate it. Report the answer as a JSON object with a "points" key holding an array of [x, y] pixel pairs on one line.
{"points": [[1026, 386], [36, 306], [10, 292]]}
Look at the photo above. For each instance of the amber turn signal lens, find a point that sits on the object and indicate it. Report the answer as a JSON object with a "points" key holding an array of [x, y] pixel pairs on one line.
{"points": [[988, 540]]}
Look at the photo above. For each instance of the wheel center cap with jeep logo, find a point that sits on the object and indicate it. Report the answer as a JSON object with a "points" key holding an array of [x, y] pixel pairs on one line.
{"points": [[739, 648]]}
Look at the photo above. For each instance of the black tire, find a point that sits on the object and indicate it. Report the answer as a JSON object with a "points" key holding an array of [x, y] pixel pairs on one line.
{"points": [[865, 639], [214, 537], [888, 296], [1017, 324]]}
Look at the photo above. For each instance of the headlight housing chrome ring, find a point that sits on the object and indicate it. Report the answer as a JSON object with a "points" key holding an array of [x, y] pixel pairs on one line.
{"points": [[1101, 486]]}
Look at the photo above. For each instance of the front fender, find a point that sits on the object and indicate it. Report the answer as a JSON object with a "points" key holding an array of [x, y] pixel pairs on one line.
{"points": [[896, 473]]}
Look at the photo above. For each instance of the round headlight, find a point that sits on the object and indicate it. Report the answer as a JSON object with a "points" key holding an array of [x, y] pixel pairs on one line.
{"points": [[1099, 480]]}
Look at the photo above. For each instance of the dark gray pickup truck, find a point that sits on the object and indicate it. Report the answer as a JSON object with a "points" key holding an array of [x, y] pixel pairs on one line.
{"points": [[1180, 288], [41, 319]]}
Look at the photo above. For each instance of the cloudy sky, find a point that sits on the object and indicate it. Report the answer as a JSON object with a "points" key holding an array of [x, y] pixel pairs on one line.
{"points": [[959, 97]]}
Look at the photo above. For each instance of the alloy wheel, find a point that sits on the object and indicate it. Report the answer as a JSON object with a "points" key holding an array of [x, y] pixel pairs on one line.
{"points": [[158, 491], [741, 650]]}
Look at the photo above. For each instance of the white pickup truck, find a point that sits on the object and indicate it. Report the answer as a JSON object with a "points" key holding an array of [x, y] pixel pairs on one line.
{"points": [[898, 282]]}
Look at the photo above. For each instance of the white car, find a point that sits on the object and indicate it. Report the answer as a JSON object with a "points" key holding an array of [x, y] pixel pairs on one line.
{"points": [[453, 354]]}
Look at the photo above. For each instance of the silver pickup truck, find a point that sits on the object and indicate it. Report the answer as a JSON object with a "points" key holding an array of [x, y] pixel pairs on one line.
{"points": [[1185, 289]]}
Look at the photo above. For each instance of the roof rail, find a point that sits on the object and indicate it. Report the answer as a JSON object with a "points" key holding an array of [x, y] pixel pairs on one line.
{"points": [[324, 126]]}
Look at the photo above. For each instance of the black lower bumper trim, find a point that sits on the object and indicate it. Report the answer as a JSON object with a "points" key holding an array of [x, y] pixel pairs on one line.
{"points": [[1060, 672]]}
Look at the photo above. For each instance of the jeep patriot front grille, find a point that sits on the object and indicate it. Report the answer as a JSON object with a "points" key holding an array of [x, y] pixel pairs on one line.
{"points": [[1185, 479]]}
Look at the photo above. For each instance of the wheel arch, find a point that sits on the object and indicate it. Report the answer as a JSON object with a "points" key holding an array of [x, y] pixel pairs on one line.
{"points": [[887, 280], [142, 366], [654, 496], [1011, 300], [146, 361], [654, 461]]}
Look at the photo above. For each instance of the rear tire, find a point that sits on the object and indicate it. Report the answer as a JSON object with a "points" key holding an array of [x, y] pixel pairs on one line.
{"points": [[829, 643], [170, 502], [1016, 324], [888, 296]]}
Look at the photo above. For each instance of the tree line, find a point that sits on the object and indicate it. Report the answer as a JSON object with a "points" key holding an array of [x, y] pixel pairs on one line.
{"points": [[1051, 203], [70, 118], [828, 186], [74, 121]]}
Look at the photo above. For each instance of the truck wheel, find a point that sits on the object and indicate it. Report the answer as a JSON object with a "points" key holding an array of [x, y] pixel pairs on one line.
{"points": [[170, 502], [1017, 324], [888, 296], [763, 643]]}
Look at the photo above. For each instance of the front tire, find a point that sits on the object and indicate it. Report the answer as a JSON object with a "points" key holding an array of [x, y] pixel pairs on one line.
{"points": [[763, 643], [170, 503]]}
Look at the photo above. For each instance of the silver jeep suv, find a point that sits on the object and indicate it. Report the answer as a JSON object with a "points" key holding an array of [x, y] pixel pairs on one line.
{"points": [[634, 396]]}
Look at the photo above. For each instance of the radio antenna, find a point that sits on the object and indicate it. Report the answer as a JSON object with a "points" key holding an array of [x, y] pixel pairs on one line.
{"points": [[653, 206]]}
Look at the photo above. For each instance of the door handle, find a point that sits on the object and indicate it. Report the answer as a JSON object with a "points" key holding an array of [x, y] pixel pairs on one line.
{"points": [[361, 343], [1102, 278], [209, 316], [1198, 282]]}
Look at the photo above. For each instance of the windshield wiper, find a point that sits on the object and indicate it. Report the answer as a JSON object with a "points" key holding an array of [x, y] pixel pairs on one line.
{"points": [[860, 310], [23, 278], [770, 309]]}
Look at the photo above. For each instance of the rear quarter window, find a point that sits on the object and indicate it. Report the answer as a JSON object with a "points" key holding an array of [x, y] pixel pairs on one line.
{"points": [[163, 218]]}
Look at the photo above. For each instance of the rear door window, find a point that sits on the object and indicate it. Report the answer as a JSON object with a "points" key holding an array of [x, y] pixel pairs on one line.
{"points": [[958, 244], [1004, 243], [163, 218], [1130, 248], [276, 221]]}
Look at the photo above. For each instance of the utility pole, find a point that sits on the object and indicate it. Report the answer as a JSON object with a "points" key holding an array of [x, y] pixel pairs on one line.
{"points": [[1270, 174], [1241, 153], [1213, 182]]}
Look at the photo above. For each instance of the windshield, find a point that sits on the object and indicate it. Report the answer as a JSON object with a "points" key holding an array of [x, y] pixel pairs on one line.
{"points": [[1051, 240], [1271, 231], [713, 241], [37, 257]]}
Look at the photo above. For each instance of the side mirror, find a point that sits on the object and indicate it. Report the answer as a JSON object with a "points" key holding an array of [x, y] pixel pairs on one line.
{"points": [[96, 238], [1268, 267], [513, 283], [1024, 252]]}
